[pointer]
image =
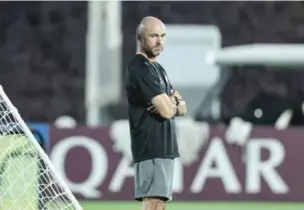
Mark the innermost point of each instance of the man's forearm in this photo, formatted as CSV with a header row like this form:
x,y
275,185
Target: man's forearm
x,y
163,105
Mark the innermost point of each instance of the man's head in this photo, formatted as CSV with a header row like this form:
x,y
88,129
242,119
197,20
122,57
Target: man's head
x,y
150,36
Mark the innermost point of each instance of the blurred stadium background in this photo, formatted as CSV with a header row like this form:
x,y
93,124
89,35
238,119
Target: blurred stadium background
x,y
239,66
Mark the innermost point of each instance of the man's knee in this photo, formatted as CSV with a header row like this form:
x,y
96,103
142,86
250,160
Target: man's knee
x,y
154,204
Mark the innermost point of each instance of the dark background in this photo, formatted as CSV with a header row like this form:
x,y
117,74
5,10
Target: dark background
x,y
42,52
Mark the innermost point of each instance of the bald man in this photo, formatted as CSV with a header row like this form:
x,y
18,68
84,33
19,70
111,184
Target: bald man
x,y
153,106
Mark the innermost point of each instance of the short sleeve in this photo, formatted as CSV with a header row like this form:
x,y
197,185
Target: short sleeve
x,y
149,84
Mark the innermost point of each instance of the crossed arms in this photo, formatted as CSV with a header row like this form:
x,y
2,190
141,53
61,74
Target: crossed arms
x,y
168,106
150,85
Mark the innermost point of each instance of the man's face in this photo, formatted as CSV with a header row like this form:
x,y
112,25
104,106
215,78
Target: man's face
x,y
152,40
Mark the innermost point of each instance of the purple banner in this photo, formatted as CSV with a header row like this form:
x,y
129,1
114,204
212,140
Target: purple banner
x,y
269,168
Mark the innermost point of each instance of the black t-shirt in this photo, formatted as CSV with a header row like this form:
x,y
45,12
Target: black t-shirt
x,y
151,135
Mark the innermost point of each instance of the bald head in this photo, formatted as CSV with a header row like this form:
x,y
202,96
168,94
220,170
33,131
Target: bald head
x,y
150,35
149,23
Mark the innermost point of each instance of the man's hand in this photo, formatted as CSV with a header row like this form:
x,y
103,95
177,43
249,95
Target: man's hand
x,y
176,95
173,99
181,104
152,109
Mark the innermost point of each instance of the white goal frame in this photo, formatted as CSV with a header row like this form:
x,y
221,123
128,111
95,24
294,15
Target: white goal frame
x,y
40,151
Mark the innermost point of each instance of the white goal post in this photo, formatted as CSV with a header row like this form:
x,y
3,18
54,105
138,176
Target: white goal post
x,y
28,179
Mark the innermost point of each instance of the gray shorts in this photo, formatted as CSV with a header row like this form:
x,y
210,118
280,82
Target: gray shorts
x,y
154,178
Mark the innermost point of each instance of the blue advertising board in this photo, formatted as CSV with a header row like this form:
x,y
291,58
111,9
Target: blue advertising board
x,y
44,131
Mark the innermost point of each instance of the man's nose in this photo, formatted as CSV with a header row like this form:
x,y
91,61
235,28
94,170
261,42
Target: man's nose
x,y
159,41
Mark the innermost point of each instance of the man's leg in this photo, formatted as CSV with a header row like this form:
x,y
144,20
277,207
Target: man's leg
x,y
153,204
165,206
153,183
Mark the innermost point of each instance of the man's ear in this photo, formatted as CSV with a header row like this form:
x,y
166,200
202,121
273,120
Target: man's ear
x,y
138,37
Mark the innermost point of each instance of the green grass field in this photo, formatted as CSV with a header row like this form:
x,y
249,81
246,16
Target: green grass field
x,y
196,206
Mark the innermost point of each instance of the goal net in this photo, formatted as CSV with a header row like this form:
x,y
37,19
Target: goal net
x,y
28,180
